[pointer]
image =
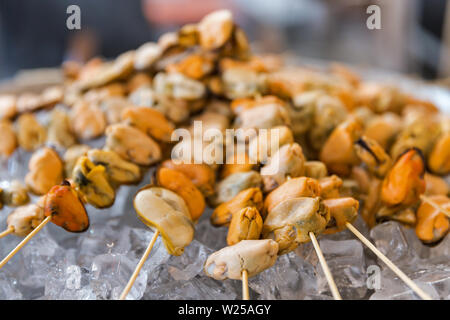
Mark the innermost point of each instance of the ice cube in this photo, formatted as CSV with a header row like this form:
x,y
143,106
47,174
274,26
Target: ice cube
x,y
390,239
442,249
415,245
291,277
212,237
190,263
110,274
433,278
68,282
9,288
318,297
347,264
162,285
139,240
39,255
101,239
182,277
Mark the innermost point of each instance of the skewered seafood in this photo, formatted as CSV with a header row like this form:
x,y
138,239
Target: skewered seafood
x,y
150,121
380,98
63,204
15,194
91,181
315,169
146,55
287,161
420,133
329,112
167,212
46,170
329,187
24,219
251,197
177,182
8,106
292,188
118,170
439,159
87,120
263,116
132,144
266,145
245,225
404,182
194,66
28,101
144,96
113,107
98,73
383,128
71,157
60,131
215,29
435,185
238,162
373,155
229,187
290,222
212,119
8,142
201,175
237,83
30,134
252,255
178,86
432,223
342,210
338,153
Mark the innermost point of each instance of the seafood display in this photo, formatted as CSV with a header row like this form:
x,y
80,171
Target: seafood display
x,y
314,152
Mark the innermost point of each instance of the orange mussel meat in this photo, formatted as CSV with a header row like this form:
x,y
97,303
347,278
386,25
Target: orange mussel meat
x,y
66,209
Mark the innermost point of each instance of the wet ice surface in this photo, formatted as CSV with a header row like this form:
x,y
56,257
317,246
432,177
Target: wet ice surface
x,y
428,267
98,263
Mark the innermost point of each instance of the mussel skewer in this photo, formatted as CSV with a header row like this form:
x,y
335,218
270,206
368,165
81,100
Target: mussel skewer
x,y
63,207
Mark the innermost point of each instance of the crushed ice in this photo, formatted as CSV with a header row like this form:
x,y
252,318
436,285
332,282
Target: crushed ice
x,y
98,263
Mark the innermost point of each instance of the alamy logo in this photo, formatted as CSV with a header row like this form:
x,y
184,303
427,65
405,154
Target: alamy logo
x,y
374,20
73,21
73,277
373,277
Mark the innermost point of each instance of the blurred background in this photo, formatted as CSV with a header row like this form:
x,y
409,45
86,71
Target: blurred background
x,y
414,38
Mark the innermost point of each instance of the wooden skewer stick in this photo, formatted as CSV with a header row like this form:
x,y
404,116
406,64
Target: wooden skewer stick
x,y
433,203
245,293
389,263
24,241
139,266
326,270
6,232
323,263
